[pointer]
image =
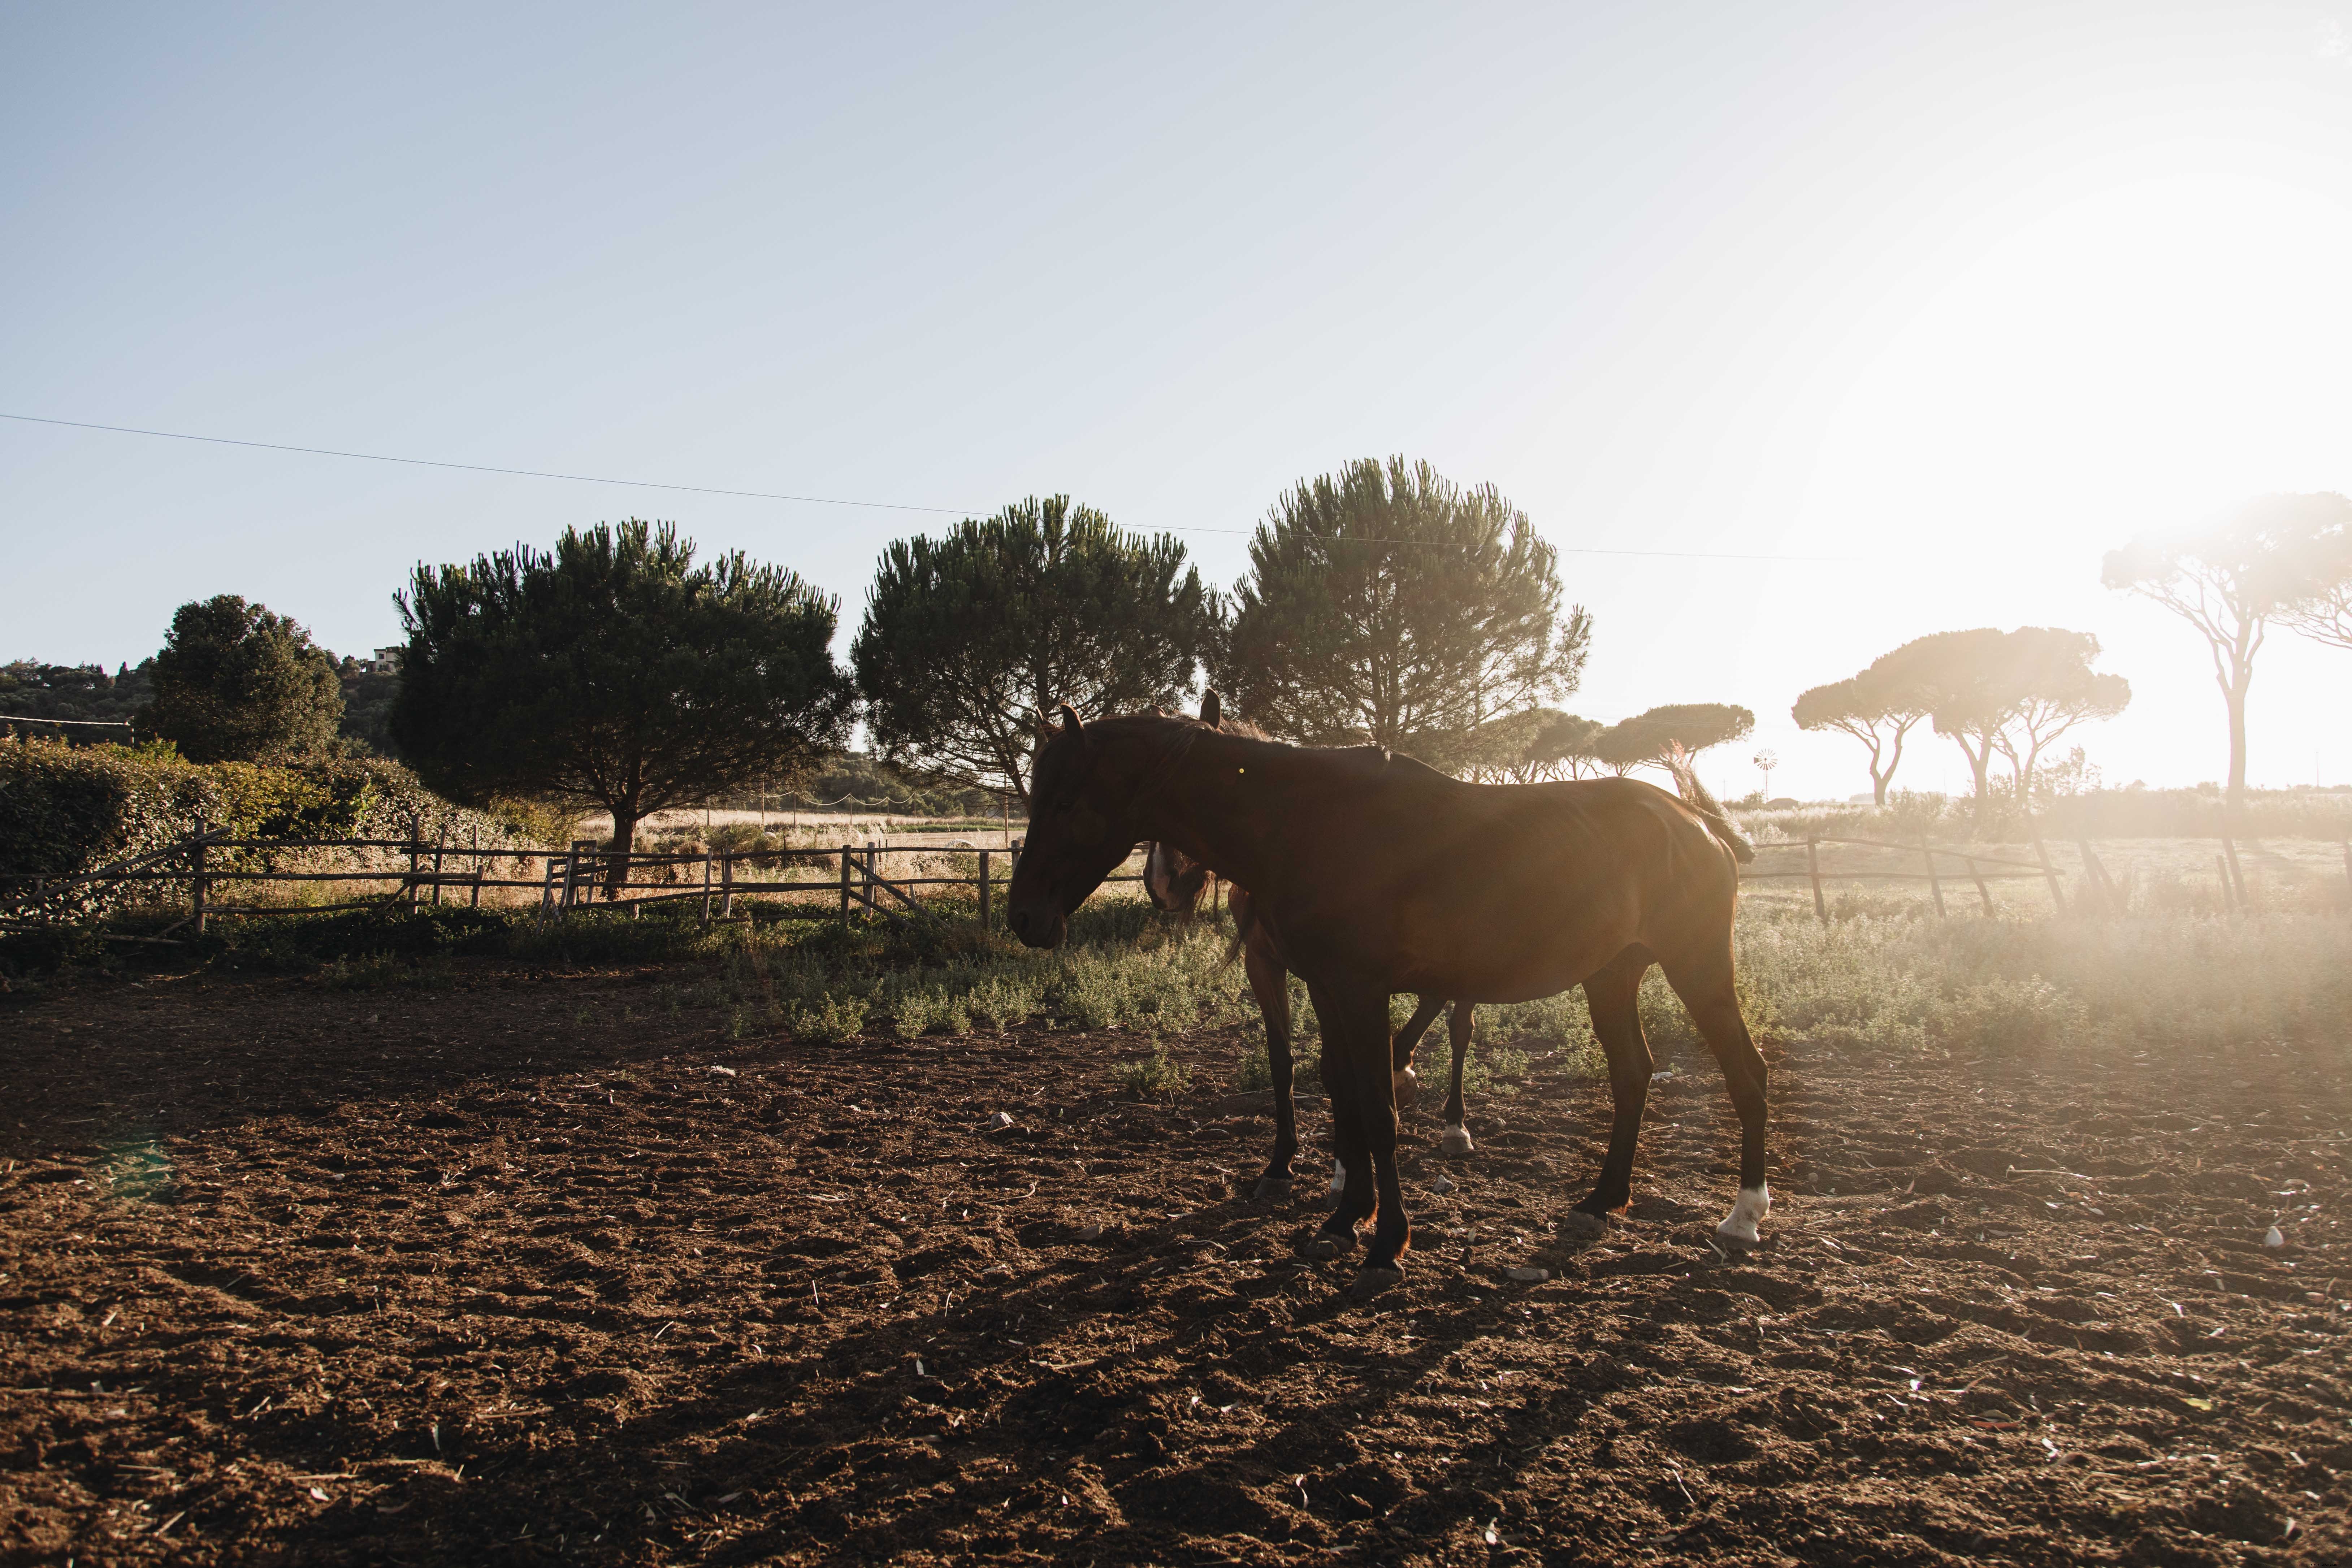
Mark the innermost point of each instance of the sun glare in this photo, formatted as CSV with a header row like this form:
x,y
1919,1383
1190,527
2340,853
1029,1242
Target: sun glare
x,y
2158,348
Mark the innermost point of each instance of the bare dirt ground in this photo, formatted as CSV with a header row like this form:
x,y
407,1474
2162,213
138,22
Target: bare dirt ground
x,y
536,1269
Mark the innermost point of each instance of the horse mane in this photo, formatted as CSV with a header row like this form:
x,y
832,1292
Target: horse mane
x,y
1695,795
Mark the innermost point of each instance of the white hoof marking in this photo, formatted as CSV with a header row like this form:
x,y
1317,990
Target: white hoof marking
x,y
1739,1225
1339,1180
1456,1140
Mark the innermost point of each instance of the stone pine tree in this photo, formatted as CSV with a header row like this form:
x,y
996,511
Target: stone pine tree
x,y
1386,604
971,640
235,682
2003,694
2229,582
1877,706
1647,739
615,671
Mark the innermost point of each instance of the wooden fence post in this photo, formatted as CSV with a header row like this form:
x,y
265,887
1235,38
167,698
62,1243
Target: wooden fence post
x,y
1933,886
1814,870
2222,871
2110,896
440,842
844,887
983,882
415,856
196,879
2237,877
1982,891
727,886
2057,894
706,888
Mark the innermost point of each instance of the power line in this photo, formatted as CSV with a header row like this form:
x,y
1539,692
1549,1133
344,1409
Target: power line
x,y
29,719
483,467
822,501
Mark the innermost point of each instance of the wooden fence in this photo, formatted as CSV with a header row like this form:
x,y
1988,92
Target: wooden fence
x,y
853,880
577,877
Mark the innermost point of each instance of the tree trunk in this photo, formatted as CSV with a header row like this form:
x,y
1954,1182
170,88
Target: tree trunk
x,y
2236,694
1881,782
625,838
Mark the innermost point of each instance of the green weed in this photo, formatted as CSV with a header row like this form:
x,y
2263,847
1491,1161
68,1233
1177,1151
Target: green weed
x,y
1156,1074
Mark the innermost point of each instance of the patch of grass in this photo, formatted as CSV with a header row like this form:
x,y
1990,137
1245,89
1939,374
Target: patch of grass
x,y
378,971
1156,1074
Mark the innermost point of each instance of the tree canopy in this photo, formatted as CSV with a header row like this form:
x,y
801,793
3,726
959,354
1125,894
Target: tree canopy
x,y
971,640
1646,740
615,671
2009,694
1385,604
2320,607
235,682
1531,745
2229,582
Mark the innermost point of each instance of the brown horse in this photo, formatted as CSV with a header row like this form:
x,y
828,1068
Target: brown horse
x,y
1174,882
1377,874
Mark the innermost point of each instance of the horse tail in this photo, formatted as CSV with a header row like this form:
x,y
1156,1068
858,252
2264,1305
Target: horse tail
x,y
1244,913
1695,795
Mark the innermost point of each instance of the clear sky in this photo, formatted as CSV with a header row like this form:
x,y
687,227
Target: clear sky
x,y
1969,293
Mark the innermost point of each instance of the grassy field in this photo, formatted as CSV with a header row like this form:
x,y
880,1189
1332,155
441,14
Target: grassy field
x,y
1882,975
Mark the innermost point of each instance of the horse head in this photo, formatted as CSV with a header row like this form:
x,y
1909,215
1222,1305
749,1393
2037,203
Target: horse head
x,y
1082,825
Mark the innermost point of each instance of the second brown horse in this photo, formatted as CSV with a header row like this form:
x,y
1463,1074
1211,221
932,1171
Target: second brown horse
x,y
1175,881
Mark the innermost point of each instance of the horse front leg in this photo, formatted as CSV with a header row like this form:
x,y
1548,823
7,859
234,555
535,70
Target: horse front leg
x,y
1269,983
1355,1053
1613,997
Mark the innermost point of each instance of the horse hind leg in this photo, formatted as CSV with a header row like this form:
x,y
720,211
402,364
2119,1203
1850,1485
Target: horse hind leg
x,y
1706,990
1455,1141
1403,1082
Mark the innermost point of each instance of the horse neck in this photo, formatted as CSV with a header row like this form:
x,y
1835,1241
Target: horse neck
x,y
1193,805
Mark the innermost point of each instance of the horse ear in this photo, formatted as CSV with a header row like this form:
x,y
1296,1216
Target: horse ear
x,y
1213,707
1070,725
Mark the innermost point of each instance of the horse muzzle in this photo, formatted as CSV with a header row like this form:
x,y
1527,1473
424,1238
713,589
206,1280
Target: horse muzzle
x,y
1038,924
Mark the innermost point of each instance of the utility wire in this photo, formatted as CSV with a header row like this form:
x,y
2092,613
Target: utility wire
x,y
814,500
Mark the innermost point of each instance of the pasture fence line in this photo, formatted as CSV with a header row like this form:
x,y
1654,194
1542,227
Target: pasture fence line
x,y
852,877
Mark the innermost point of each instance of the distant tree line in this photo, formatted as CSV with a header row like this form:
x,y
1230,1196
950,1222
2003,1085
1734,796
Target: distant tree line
x,y
1382,605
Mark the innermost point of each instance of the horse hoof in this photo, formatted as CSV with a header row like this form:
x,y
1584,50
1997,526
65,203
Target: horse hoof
x,y
1583,1225
1330,1243
1456,1142
1339,1180
1272,1189
1371,1281
1739,1228
1406,1086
